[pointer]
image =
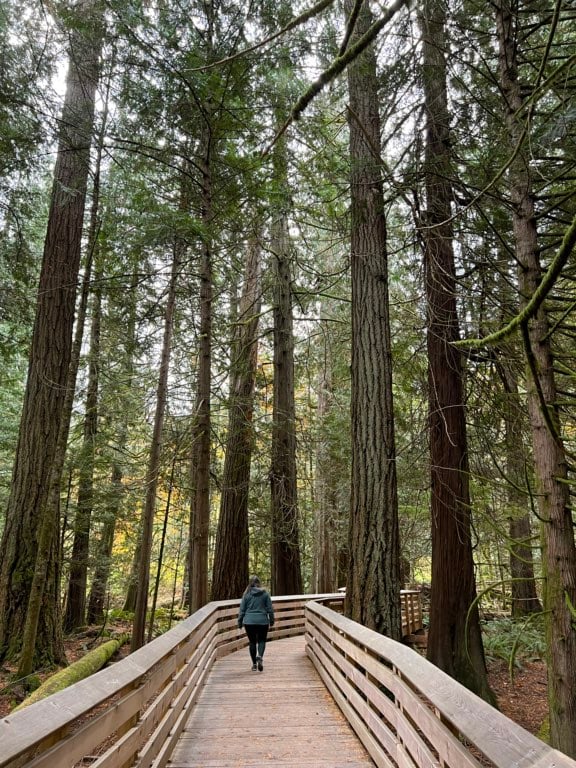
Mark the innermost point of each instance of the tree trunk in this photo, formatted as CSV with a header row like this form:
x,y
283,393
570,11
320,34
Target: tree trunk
x,y
286,578
200,512
132,589
523,585
454,641
524,596
87,665
373,588
99,586
148,512
558,547
325,547
75,614
160,562
230,573
49,361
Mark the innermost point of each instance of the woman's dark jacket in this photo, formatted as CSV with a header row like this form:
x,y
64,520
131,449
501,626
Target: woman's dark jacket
x,y
256,608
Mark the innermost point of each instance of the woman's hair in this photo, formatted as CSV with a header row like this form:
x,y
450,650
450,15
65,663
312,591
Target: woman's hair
x,y
254,582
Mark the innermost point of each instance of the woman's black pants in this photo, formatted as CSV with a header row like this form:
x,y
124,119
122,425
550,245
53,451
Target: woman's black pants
x,y
257,634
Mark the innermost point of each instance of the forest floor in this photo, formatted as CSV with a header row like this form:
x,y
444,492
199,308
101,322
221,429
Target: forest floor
x,y
523,699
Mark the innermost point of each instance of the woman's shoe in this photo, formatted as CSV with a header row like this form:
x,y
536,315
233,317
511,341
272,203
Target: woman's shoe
x,y
260,664
254,667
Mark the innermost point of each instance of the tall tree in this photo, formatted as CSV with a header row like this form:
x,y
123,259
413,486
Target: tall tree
x,y
285,552
523,587
103,558
373,587
75,613
50,350
200,511
454,641
325,540
230,573
152,474
550,460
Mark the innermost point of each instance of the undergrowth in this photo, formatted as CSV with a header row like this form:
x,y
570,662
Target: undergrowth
x,y
516,641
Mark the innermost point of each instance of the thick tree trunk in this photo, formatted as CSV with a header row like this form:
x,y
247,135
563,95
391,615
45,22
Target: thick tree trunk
x,y
149,510
49,361
557,531
373,588
45,582
454,641
230,573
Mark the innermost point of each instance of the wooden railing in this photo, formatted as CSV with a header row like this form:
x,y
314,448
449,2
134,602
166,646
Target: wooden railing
x,y
133,712
412,619
407,712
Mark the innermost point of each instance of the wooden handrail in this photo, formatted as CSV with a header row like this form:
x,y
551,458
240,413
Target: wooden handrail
x,y
407,712
139,705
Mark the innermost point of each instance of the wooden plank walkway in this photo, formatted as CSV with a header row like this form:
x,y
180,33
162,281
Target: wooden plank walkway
x,y
282,717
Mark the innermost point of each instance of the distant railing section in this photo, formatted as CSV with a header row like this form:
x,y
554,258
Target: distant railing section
x,y
411,605
407,712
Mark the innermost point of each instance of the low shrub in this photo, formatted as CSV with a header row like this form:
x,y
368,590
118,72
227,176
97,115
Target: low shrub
x,y
514,640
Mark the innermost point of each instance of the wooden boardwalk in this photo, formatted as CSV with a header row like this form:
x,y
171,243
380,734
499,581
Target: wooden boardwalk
x,y
282,717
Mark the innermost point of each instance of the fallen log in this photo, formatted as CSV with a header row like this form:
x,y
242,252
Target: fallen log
x,y
84,667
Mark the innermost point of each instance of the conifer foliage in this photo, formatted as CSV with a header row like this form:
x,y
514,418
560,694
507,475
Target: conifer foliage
x,y
287,289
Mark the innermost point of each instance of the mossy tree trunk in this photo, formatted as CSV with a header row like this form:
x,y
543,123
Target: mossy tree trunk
x,y
84,667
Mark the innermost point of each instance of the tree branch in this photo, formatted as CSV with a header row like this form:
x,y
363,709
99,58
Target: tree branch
x,y
538,297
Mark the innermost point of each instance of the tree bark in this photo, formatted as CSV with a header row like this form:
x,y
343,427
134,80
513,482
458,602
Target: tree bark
x,y
96,600
325,542
149,510
200,512
75,614
50,355
286,577
373,588
230,573
455,640
557,531
160,563
523,584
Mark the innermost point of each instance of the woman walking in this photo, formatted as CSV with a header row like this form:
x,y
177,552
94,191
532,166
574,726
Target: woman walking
x,y
256,615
